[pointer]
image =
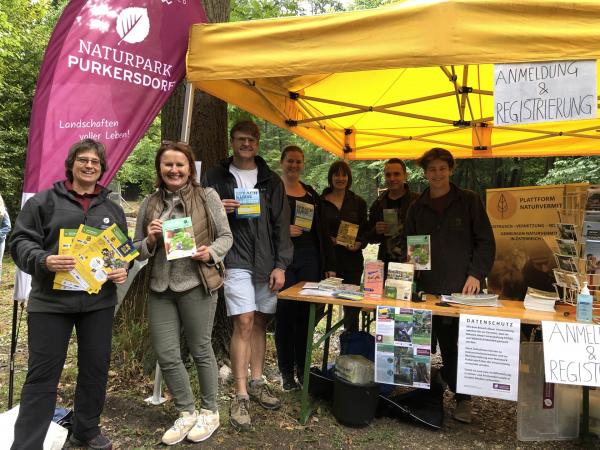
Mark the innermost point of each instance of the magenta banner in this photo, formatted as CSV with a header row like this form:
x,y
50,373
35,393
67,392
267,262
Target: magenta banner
x,y
109,68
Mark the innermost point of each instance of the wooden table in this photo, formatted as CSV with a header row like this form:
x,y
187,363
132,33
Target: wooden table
x,y
509,309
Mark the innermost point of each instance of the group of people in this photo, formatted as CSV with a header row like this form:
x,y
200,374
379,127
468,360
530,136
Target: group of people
x,y
251,258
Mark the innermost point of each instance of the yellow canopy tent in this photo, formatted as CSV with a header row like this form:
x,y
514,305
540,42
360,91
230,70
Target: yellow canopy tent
x,y
396,81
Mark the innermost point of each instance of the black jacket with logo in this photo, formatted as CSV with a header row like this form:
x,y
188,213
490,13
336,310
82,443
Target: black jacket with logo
x,y
35,237
268,235
462,240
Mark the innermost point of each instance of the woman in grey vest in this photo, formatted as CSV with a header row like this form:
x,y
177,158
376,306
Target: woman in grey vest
x,y
185,275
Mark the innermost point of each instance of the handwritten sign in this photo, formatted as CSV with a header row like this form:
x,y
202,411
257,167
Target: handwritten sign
x,y
552,91
572,353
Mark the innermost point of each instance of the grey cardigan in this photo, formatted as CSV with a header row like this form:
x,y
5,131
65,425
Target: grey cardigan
x,y
181,274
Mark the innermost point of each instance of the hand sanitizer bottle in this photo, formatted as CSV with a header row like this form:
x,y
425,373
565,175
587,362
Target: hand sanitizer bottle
x,y
584,305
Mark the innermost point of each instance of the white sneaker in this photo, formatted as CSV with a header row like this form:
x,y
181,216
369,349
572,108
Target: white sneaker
x,y
180,428
207,424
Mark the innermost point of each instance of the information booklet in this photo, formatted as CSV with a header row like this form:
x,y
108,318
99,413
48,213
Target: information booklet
x,y
304,215
567,247
347,233
178,235
249,203
95,257
419,251
591,230
403,346
398,283
373,279
390,217
566,231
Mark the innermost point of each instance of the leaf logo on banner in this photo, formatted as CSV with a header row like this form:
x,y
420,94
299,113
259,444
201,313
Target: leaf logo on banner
x,y
133,25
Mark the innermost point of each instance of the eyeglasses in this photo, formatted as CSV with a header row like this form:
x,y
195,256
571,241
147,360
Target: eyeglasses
x,y
86,161
249,140
179,144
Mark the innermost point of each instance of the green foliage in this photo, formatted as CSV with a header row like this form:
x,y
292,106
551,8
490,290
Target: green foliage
x,y
574,170
263,9
139,167
25,29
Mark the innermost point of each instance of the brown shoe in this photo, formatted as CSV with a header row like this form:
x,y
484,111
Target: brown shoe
x,y
462,412
239,414
260,392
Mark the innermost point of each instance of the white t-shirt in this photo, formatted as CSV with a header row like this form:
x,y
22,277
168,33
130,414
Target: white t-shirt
x,y
244,178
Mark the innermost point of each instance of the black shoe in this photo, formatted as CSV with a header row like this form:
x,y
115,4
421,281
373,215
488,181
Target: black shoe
x,y
100,442
288,383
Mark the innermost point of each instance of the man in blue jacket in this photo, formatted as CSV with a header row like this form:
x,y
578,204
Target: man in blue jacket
x,y
255,265
462,253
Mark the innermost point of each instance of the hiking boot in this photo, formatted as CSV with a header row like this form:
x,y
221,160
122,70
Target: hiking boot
x,y
288,383
462,412
239,414
207,424
99,442
180,428
260,392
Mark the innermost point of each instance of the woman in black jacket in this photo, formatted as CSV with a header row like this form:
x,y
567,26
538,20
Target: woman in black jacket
x,y
313,259
344,210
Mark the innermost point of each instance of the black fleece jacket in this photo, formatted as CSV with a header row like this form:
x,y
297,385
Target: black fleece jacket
x,y
268,235
462,240
35,236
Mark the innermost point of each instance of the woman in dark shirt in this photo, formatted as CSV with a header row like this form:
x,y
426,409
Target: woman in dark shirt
x,y
313,259
341,204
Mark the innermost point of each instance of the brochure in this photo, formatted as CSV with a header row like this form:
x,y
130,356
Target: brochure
x,y
178,236
249,203
567,247
64,280
399,280
566,231
566,263
373,279
304,215
592,257
347,233
390,217
593,198
591,230
419,251
403,346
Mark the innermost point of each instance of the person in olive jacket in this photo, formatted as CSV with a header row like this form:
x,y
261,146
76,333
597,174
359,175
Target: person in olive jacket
x,y
341,204
462,253
52,314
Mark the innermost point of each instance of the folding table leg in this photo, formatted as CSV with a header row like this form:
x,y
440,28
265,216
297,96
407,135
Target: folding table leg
x,y
305,410
326,345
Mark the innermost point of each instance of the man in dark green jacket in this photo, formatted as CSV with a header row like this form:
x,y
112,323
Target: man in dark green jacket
x,y
462,252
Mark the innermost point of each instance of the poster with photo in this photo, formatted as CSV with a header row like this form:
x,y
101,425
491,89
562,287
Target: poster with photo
x,y
403,346
567,231
566,263
567,247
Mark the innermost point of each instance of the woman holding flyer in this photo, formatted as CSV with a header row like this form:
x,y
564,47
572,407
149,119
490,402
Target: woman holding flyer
x,y
313,259
52,312
182,229
346,221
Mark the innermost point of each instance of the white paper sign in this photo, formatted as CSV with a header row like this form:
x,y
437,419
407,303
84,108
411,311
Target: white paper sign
x,y
552,91
488,356
572,353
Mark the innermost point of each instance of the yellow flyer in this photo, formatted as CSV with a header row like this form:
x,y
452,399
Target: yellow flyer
x,y
347,233
304,215
85,234
63,280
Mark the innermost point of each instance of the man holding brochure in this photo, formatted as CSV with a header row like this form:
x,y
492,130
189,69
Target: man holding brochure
x,y
388,212
462,253
259,216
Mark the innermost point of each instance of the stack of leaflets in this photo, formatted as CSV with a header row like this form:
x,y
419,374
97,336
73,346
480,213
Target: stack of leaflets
x,y
472,299
349,294
178,236
398,283
330,284
97,253
540,300
373,279
419,251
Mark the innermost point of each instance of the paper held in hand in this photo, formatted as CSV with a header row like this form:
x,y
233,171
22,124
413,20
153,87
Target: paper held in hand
x,y
347,233
419,251
390,217
304,215
249,203
178,235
